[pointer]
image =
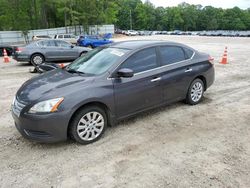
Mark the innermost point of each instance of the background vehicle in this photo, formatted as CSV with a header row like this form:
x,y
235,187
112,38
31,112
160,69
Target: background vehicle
x,y
67,37
40,51
131,33
39,37
107,85
92,41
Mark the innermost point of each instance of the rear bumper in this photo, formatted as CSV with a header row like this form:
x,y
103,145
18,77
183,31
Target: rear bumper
x,y
210,77
20,57
47,128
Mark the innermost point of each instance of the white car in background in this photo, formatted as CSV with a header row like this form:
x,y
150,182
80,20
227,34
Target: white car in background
x,y
67,37
132,33
40,37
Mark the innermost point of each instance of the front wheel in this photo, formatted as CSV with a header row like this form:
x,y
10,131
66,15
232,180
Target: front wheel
x,y
195,92
88,125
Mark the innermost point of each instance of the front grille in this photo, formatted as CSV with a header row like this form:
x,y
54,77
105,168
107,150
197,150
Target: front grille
x,y
18,106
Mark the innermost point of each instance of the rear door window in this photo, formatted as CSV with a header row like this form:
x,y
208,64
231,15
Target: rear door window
x,y
62,44
171,54
47,43
141,61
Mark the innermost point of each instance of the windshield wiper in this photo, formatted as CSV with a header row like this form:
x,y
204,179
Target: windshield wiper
x,y
74,71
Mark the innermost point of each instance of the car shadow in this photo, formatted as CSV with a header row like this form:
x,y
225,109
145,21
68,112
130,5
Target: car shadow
x,y
140,116
165,108
20,64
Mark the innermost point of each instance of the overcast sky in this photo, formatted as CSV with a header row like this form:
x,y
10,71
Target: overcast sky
x,y
244,4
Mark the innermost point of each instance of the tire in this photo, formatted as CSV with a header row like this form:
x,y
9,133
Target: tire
x,y
85,123
195,92
37,59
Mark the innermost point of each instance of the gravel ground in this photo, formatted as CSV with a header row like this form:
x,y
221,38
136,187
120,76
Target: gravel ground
x,y
206,145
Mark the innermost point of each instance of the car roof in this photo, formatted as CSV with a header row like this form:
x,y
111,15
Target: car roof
x,y
137,44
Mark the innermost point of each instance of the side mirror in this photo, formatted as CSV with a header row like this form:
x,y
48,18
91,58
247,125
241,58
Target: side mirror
x,y
125,73
72,46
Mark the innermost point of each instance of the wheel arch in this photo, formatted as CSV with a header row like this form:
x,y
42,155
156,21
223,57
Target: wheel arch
x,y
83,52
203,79
93,103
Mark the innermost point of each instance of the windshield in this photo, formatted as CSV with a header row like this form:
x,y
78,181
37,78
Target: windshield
x,y
97,61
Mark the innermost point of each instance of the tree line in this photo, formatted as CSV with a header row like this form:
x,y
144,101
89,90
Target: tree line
x,y
25,15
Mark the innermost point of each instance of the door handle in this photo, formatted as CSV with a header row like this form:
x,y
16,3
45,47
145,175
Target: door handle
x,y
156,79
188,70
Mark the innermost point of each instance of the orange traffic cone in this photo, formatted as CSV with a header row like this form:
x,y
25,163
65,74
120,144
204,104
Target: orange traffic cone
x,y
224,58
6,58
61,65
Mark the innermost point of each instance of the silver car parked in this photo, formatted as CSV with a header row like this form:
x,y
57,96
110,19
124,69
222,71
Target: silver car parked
x,y
49,50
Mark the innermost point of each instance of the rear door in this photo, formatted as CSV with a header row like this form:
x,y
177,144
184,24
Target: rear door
x,y
141,91
176,73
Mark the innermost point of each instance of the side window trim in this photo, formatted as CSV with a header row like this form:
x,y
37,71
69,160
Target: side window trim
x,y
159,63
162,65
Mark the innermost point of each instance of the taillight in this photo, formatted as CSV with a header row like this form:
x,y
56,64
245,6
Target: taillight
x,y
18,49
211,59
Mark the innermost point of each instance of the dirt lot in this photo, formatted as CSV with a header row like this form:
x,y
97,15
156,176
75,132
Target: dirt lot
x,y
207,145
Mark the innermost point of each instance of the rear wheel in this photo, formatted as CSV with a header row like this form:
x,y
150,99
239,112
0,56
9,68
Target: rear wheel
x,y
88,125
195,92
37,59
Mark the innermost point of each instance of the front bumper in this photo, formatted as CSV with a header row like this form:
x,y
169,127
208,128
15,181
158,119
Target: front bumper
x,y
46,128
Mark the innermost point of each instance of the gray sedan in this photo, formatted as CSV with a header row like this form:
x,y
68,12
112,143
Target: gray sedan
x,y
107,85
48,50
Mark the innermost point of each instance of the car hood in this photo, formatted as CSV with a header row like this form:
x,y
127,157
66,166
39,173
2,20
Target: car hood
x,y
52,84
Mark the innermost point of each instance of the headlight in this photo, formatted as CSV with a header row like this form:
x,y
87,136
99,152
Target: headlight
x,y
46,106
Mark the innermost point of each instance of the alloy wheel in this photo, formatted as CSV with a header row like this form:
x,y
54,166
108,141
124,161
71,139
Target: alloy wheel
x,y
90,126
196,92
37,60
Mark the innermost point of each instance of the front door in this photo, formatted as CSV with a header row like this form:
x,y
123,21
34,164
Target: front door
x,y
141,91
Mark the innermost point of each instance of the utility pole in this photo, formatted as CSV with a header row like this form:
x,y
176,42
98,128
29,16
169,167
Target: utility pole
x,y
65,18
130,16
